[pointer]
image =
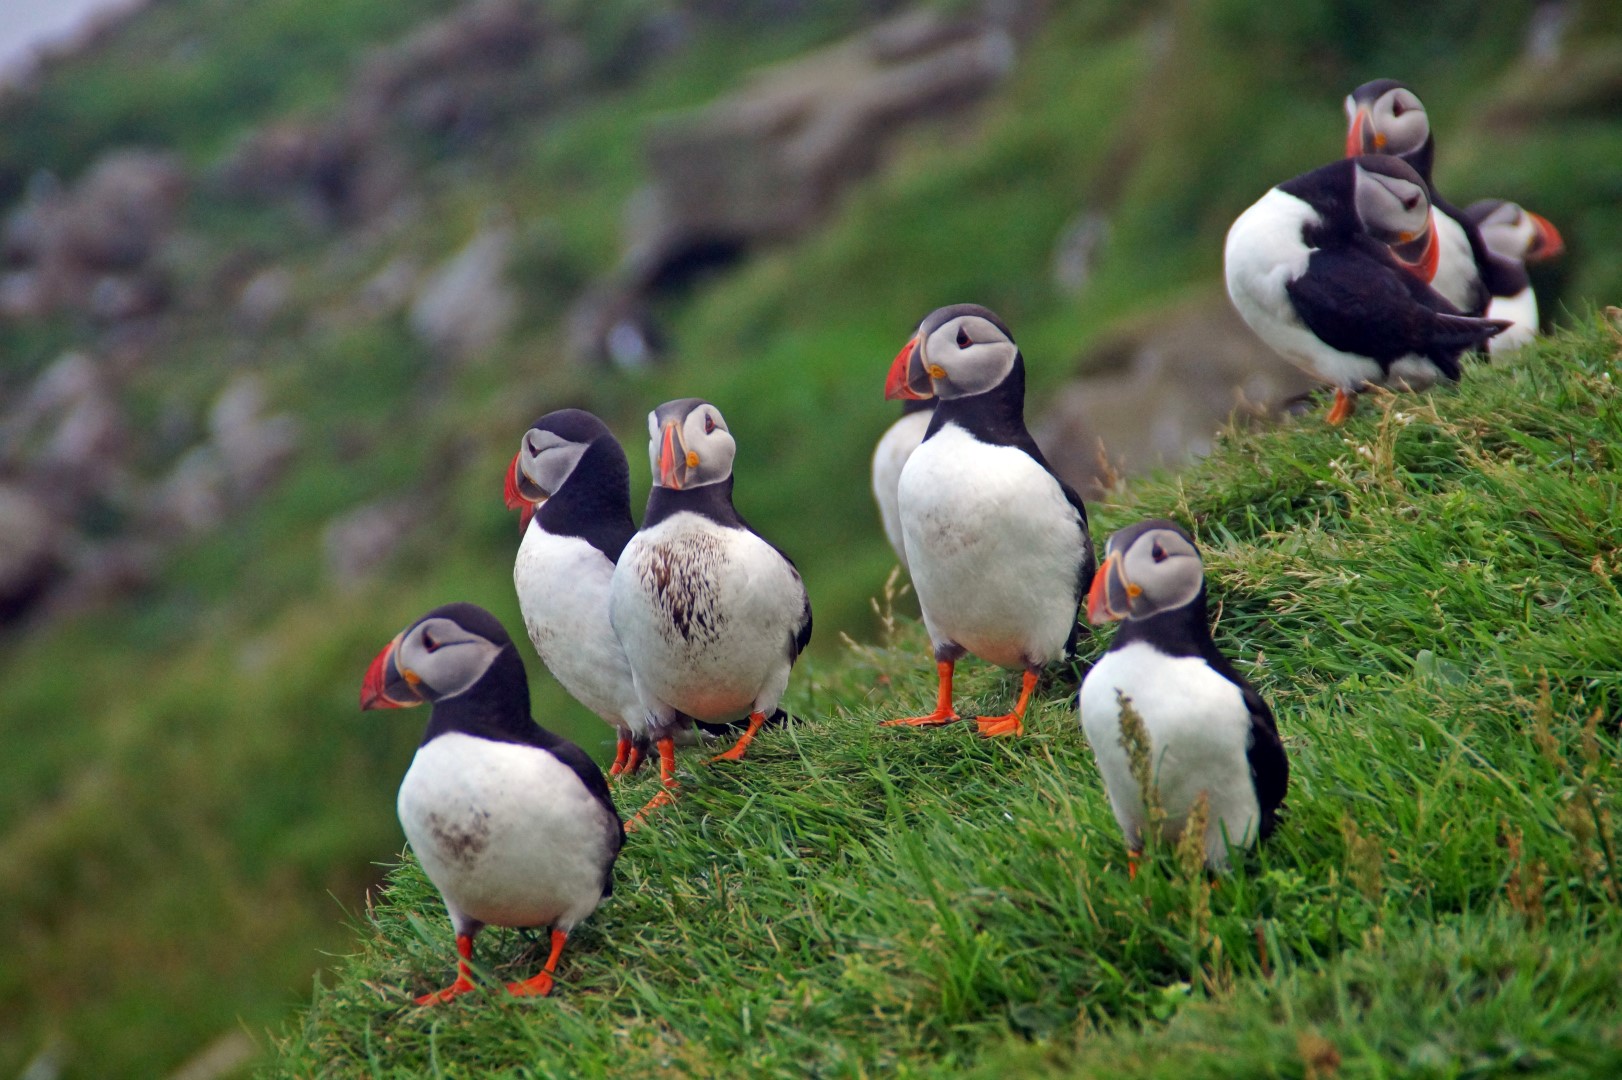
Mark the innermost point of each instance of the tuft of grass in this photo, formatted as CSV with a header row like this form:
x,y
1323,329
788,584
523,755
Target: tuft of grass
x,y
1428,598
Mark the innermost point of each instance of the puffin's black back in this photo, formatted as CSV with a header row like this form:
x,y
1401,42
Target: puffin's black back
x,y
595,502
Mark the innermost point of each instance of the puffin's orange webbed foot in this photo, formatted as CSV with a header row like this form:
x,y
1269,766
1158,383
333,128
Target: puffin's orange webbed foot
x,y
464,972
943,714
667,777
994,726
1345,405
756,719
540,984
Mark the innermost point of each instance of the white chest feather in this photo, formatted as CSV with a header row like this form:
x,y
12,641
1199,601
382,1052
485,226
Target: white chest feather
x,y
1199,732
889,457
563,588
1520,309
1263,254
1458,278
707,615
507,833
994,548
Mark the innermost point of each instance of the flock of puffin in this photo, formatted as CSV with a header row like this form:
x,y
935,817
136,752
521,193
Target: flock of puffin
x,y
1357,271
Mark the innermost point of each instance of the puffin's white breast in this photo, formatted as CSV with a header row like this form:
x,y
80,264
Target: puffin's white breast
x,y
1458,278
506,832
1263,254
707,614
1520,309
889,457
1199,732
994,547
563,588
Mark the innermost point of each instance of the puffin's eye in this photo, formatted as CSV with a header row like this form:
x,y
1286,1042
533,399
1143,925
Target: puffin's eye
x,y
1158,552
709,423
429,643
1397,108
963,338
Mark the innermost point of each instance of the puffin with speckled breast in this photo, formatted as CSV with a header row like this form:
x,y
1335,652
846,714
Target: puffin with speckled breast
x,y
571,483
1210,735
997,545
513,824
712,616
1329,269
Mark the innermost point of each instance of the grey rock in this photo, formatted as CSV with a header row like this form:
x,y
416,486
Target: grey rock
x,y
1162,390
465,304
360,542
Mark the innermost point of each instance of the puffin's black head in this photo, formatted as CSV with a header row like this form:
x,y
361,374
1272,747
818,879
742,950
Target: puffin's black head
x,y
1514,232
1393,205
957,351
547,456
1149,567
1385,117
441,656
689,444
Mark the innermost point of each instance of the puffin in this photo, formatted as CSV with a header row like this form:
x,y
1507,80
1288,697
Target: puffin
x,y
712,616
897,443
996,543
1386,117
1209,732
513,824
571,484
1329,269
1517,234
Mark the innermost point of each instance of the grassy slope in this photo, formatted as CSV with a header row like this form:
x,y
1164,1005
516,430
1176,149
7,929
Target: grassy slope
x,y
1428,598
202,778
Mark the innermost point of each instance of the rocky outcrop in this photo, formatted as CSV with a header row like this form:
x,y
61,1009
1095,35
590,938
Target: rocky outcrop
x,y
1162,389
771,161
93,247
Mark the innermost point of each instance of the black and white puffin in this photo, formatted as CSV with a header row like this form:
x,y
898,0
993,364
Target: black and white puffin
x,y
572,485
996,543
1209,732
1328,269
712,616
511,823
897,443
1386,117
1520,236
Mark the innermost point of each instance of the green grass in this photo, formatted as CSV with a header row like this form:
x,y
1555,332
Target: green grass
x,y
191,800
1427,597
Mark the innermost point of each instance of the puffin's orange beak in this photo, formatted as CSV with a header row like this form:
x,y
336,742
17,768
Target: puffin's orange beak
x,y
373,690
1110,598
1421,255
900,383
672,464
1546,239
514,496
1361,138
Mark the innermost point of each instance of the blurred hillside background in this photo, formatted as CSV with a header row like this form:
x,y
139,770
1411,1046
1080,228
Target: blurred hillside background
x,y
282,283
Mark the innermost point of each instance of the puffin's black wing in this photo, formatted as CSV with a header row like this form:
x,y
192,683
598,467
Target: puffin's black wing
x,y
802,636
1269,767
1359,305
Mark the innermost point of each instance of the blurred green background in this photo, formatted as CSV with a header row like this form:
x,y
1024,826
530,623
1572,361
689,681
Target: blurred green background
x,y
251,440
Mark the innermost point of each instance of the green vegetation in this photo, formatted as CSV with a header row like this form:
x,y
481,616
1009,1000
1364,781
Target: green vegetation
x,y
1427,597
192,801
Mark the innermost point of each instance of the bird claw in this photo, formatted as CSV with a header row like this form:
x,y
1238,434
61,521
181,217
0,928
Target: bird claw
x,y
538,986
461,986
